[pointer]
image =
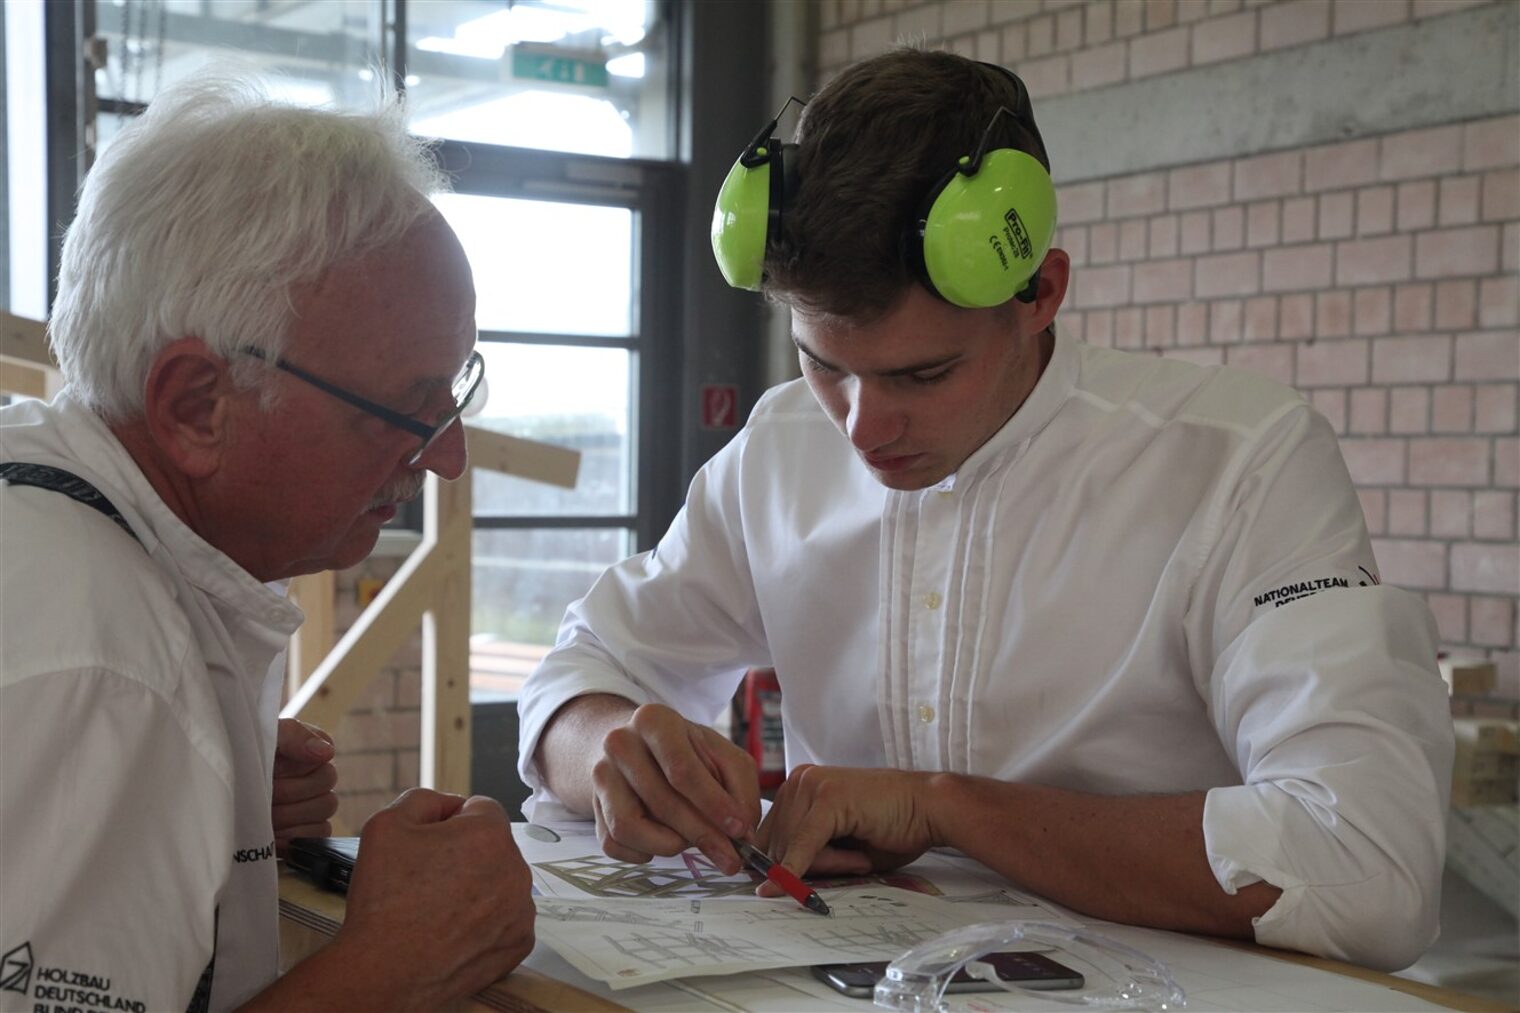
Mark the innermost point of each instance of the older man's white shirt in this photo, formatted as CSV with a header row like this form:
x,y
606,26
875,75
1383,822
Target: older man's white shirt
x,y
139,688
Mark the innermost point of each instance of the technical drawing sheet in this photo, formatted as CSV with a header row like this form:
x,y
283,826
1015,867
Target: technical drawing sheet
x,y
634,942
567,862
628,924
681,955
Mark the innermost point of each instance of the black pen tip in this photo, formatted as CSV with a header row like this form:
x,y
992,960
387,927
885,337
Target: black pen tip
x,y
816,905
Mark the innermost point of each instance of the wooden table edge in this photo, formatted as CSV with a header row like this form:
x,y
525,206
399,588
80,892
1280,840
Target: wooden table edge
x,y
1446,997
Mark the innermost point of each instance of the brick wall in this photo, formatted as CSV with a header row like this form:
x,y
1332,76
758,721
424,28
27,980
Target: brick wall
x,y
1379,275
1064,46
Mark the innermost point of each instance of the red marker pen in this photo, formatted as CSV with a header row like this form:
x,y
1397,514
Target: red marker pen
x,y
781,876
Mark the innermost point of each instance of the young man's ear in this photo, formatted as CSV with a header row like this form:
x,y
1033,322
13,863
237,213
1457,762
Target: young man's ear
x,y
187,404
1055,274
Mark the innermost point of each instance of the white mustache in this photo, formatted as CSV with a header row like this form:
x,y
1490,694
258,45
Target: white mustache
x,y
398,492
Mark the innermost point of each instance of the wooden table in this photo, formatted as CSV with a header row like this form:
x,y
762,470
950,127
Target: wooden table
x,y
309,917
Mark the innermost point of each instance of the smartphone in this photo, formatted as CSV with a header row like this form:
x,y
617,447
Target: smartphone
x,y
328,860
1026,970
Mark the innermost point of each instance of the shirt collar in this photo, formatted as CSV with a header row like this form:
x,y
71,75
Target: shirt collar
x,y
1050,392
91,442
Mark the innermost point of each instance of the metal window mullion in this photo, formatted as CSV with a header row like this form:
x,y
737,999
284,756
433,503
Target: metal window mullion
x,y
490,522
67,106
120,107
398,44
661,385
629,343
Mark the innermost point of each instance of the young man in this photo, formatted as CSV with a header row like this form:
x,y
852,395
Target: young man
x,y
267,334
1107,623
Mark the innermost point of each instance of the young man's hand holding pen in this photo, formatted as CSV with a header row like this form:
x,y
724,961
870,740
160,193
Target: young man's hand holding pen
x,y
660,784
847,821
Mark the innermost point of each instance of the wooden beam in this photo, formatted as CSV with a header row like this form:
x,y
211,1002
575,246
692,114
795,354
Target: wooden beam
x,y
314,594
370,642
530,459
23,378
432,587
25,339
445,752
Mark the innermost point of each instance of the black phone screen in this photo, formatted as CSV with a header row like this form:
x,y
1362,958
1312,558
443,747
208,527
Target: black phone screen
x,y
1026,970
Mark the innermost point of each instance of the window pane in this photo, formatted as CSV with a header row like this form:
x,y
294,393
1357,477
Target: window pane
x,y
523,582
589,76
24,225
572,397
317,53
535,269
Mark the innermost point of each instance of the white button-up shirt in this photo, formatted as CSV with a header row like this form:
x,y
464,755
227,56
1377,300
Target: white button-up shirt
x,y
1155,578
139,693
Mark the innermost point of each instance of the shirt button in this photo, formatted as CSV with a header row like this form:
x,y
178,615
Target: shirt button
x,y
932,600
925,713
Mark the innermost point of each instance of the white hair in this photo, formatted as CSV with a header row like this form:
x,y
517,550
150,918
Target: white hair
x,y
205,211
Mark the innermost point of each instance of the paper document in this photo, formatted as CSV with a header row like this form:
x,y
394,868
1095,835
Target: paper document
x,y
633,942
664,927
567,861
628,924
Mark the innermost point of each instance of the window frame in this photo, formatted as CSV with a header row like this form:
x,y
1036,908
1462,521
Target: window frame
x,y
654,192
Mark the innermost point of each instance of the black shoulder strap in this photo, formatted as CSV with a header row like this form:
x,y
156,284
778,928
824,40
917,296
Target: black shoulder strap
x,y
200,1000
57,480
44,476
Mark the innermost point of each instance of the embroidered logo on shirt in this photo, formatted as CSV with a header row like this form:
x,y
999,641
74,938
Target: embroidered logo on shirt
x,y
77,989
16,969
1280,596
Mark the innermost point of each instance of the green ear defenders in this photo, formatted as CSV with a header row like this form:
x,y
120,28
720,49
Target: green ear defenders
x,y
983,229
986,226
749,207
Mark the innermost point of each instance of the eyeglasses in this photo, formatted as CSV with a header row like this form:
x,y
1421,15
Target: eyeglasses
x,y
466,391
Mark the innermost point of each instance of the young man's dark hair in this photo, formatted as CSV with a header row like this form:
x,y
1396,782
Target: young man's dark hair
x,y
871,146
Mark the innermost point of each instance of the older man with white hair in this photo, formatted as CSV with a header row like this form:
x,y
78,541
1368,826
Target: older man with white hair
x,y
267,334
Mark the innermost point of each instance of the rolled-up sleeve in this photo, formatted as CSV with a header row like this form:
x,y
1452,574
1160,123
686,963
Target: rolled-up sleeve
x,y
1346,757
1324,686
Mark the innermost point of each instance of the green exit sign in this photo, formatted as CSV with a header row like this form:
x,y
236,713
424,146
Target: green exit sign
x,y
539,66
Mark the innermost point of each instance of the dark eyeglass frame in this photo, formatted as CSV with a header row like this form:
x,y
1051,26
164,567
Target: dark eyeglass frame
x,y
473,370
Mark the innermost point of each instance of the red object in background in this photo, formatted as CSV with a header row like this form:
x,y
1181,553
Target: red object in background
x,y
763,738
720,405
